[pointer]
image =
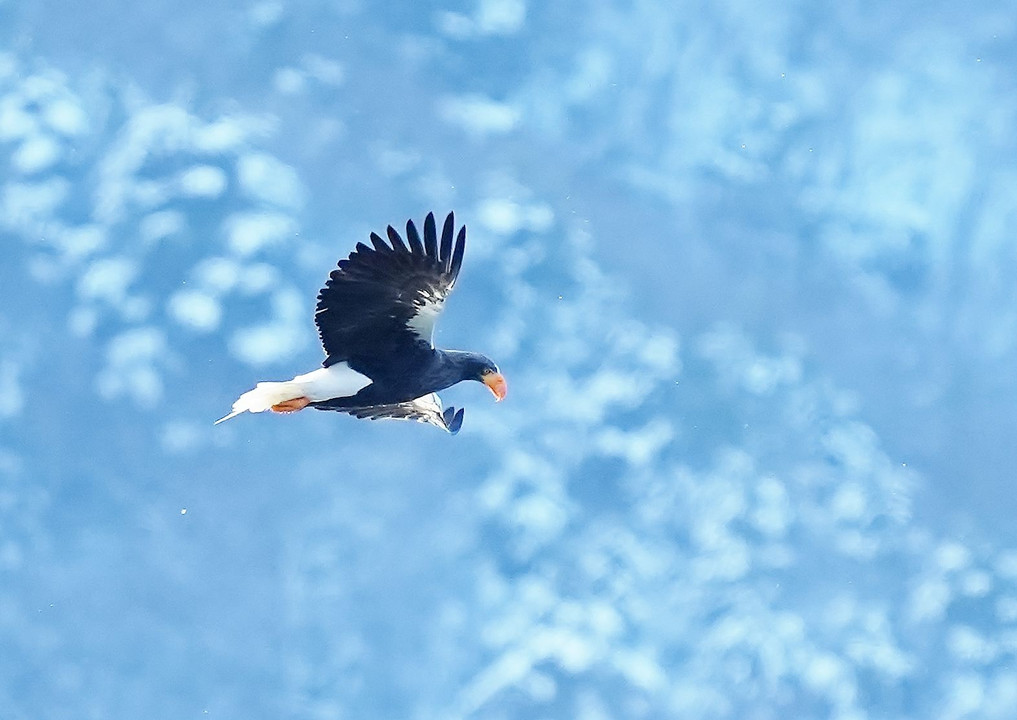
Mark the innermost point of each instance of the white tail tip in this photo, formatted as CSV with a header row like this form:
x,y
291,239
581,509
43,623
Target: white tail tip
x,y
224,418
263,397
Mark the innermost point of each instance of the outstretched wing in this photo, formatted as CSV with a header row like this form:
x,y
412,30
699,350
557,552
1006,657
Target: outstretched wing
x,y
425,409
385,298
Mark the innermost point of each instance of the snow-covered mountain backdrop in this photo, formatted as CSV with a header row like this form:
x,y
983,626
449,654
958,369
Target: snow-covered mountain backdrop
x,y
749,268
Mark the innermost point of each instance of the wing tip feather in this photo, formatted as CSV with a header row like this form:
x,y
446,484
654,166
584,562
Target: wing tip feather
x,y
456,261
453,419
416,247
430,234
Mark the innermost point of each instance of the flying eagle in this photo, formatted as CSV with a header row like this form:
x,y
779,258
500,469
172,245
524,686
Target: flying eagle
x,y
376,317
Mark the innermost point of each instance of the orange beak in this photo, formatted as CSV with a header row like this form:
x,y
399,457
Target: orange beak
x,y
497,385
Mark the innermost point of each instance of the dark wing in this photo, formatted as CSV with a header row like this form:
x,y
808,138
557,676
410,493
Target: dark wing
x,y
385,298
425,409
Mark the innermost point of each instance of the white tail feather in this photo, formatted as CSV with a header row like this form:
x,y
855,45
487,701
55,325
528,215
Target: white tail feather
x,y
224,418
338,380
263,397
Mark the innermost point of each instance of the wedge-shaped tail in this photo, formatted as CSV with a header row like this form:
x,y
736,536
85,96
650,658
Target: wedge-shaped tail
x,y
336,381
263,397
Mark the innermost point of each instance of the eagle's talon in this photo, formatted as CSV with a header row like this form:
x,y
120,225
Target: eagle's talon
x,y
288,406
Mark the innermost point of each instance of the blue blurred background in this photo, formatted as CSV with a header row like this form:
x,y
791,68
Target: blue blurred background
x,y
748,267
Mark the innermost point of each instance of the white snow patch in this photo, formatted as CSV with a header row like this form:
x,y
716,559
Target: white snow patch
x,y
294,80
275,340
500,17
540,687
250,232
929,600
965,697
849,502
573,651
539,514
257,278
265,343
152,131
763,375
42,85
82,321
1006,564
80,241
639,446
976,583
141,382
505,216
196,310
37,153
203,181
289,81
130,367
288,304
739,363
967,644
65,117
772,513
604,390
267,13
660,352
26,203
12,398
508,669
265,178
641,669
455,25
604,619
160,225
392,161
220,136
727,560
107,279
180,436
855,445
136,345
1006,608
595,70
324,70
151,193
218,274
135,308
490,17
14,121
480,115
952,556
824,671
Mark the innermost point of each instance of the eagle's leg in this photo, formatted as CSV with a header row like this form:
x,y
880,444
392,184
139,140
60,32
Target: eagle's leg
x,y
288,406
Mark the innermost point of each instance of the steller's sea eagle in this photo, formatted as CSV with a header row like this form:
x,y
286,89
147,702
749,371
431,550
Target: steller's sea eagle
x,y
376,317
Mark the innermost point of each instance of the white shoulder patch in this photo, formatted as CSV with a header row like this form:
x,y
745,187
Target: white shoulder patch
x,y
335,381
427,315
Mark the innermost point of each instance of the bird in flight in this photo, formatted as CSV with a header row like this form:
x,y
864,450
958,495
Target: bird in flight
x,y
376,317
